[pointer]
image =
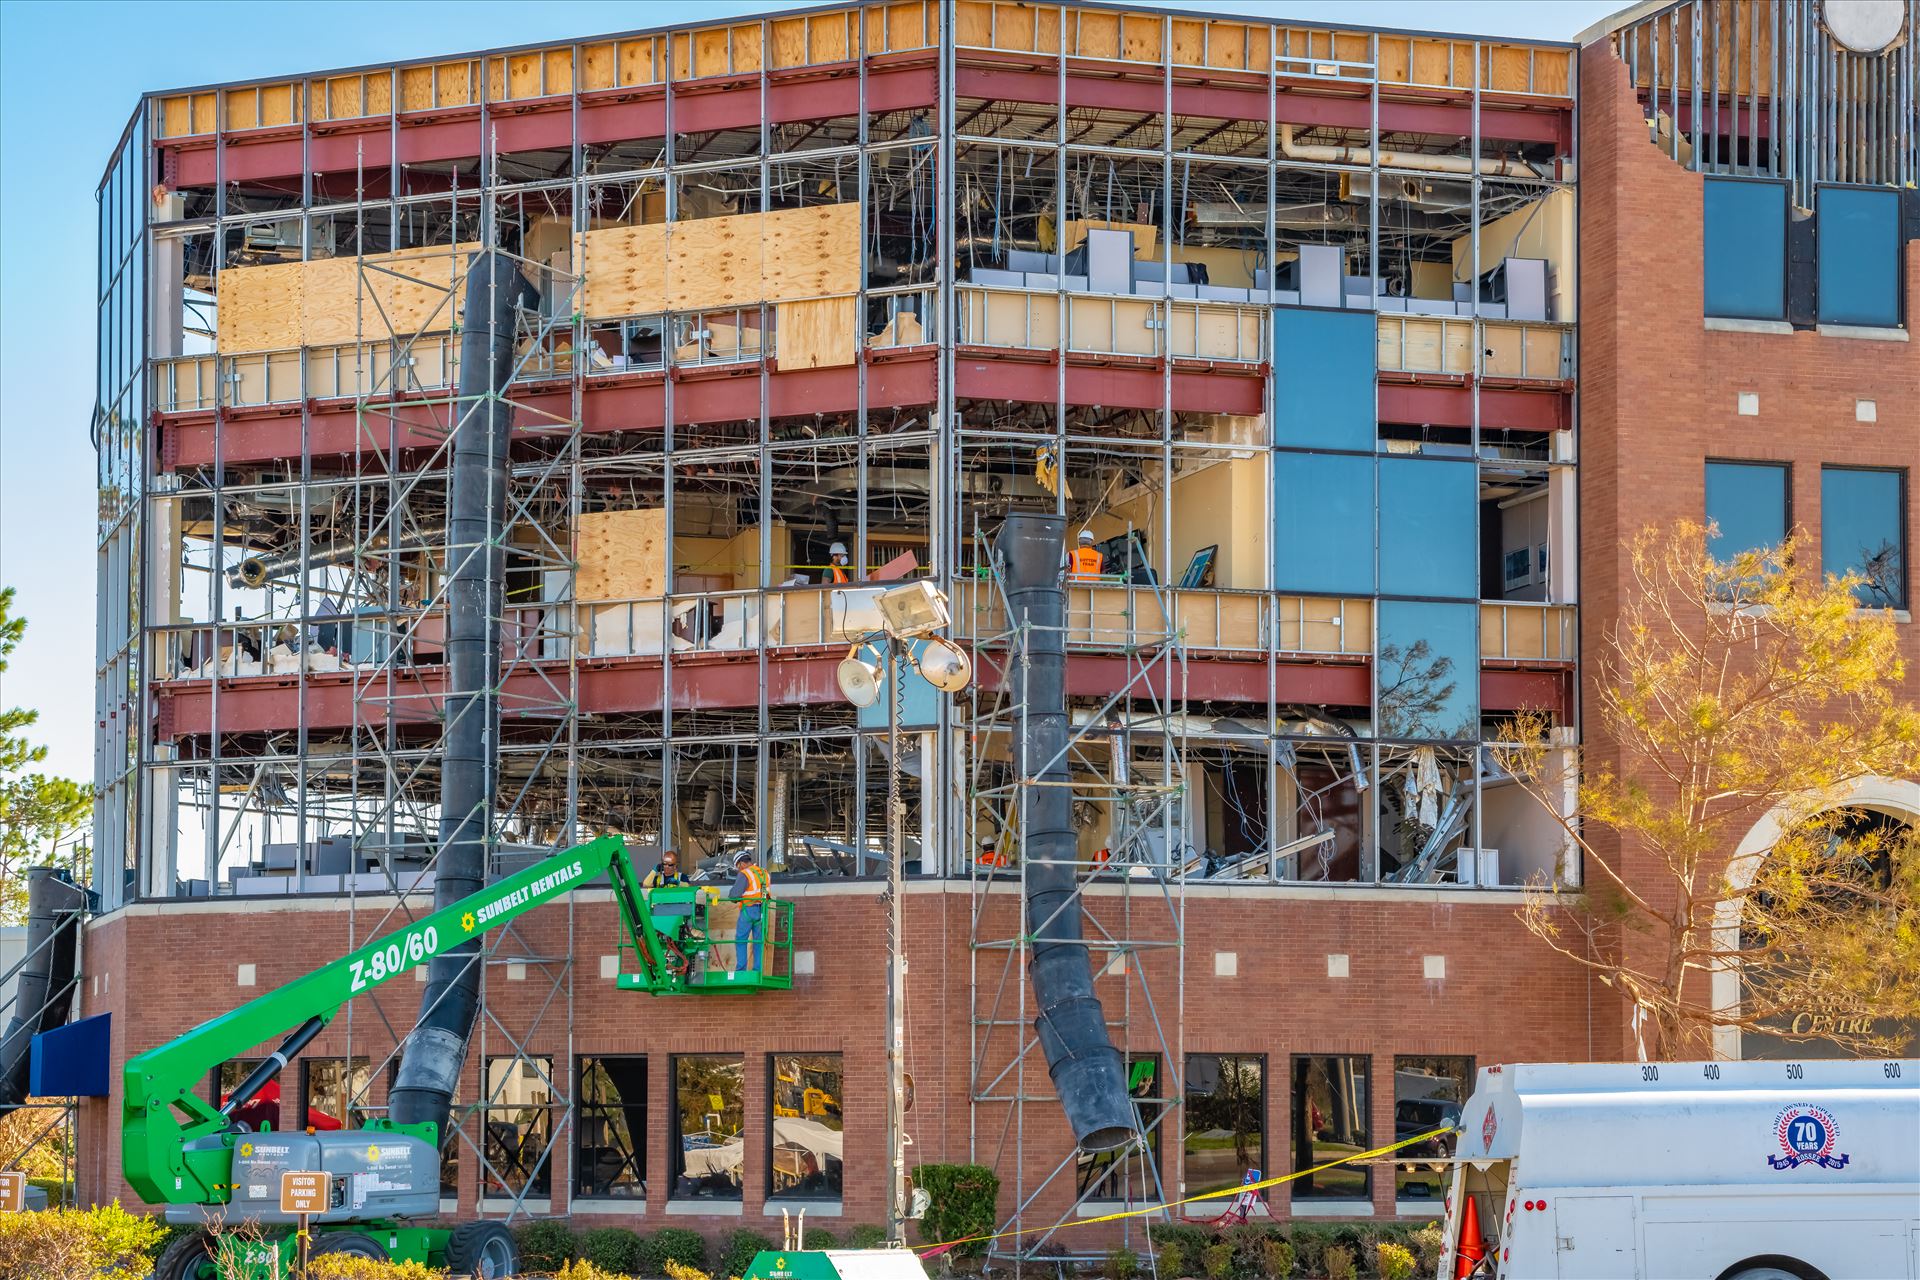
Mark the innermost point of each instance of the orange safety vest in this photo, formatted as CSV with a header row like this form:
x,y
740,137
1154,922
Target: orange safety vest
x,y
758,885
1085,562
838,574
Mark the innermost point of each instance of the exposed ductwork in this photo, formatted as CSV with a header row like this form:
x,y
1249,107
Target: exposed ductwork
x,y
1319,153
436,1049
43,991
257,571
1086,1068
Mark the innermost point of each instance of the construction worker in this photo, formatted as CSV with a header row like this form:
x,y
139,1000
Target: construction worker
x,y
666,873
1084,562
837,563
751,889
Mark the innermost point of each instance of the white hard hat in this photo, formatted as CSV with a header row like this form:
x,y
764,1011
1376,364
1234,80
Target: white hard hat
x,y
837,549
1086,535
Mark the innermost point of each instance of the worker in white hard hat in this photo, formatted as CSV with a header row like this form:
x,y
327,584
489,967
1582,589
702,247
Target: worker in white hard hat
x,y
837,563
1084,562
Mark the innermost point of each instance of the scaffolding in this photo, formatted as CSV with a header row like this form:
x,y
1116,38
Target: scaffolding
x,y
1131,895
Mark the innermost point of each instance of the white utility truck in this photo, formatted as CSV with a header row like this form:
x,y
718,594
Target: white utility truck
x,y
1688,1171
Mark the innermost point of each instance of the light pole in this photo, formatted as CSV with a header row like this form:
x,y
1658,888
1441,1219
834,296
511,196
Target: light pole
x,y
909,613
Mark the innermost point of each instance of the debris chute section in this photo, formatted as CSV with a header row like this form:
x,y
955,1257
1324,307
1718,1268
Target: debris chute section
x,y
1086,1068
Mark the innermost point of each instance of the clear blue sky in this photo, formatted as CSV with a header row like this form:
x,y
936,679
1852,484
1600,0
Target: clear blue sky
x,y
60,117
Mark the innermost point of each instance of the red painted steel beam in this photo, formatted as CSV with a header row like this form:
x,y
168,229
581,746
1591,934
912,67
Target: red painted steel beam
x,y
632,403
1549,409
1512,689
1247,101
979,375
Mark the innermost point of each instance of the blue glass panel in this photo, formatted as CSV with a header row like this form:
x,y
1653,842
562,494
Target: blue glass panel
x,y
1429,670
1427,531
1323,522
1323,371
1746,249
1748,501
1859,241
1863,522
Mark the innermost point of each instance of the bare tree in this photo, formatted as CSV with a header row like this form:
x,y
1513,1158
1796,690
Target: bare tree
x,y
1738,701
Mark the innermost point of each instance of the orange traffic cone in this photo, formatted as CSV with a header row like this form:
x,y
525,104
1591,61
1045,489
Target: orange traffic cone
x,y
1471,1248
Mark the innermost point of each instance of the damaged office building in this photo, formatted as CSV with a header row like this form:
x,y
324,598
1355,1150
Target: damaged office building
x,y
1282,318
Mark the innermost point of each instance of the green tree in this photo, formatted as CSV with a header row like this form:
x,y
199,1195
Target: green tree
x,y
38,813
1738,701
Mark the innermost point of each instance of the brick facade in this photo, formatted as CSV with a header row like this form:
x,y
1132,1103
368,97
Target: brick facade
x,y
1659,390
1502,999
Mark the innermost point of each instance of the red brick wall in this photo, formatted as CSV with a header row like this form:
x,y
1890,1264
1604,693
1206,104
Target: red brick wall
x,y
1503,999
1658,390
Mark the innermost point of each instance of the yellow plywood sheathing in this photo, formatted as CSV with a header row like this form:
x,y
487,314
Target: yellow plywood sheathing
x,y
623,271
816,334
205,109
812,252
1425,344
402,293
1140,37
622,555
260,307
714,262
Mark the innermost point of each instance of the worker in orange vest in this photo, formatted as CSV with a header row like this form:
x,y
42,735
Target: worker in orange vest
x,y
837,563
1084,562
752,887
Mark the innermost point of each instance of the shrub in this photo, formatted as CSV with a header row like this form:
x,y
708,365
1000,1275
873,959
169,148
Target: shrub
x,y
1216,1260
1122,1264
1191,1239
1428,1242
1340,1264
1396,1261
1277,1254
614,1249
866,1237
818,1238
677,1270
338,1266
737,1254
546,1245
582,1269
1310,1242
672,1244
962,1201
77,1244
1170,1262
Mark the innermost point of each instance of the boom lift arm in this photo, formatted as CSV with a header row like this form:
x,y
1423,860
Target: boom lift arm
x,y
178,1149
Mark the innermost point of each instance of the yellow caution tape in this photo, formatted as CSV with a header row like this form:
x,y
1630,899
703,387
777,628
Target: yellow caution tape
x,y
1225,1193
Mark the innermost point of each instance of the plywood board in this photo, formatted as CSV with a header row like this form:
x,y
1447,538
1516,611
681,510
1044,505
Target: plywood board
x,y
260,307
624,271
621,555
1095,34
714,262
402,293
1118,326
639,61
1140,37
813,252
829,37
818,334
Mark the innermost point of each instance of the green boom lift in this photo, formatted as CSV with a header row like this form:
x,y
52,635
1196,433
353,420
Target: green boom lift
x,y
180,1151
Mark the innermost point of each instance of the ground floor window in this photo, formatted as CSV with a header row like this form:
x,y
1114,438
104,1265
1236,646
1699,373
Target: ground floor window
x,y
519,1124
1428,1093
806,1127
611,1128
260,1112
1331,1120
334,1093
1225,1121
710,1107
1131,1173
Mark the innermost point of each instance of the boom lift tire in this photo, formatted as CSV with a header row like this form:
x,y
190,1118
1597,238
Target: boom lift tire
x,y
351,1244
484,1249
189,1257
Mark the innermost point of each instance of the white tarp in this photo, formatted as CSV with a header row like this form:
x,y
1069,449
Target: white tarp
x,y
809,1135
